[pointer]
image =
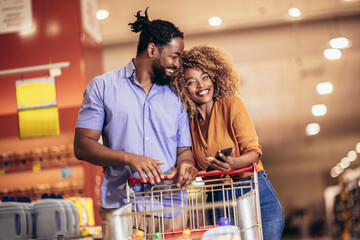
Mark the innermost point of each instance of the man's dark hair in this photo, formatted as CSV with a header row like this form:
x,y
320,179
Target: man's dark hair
x,y
158,31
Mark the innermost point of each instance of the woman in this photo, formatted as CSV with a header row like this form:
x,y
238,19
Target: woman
x,y
207,82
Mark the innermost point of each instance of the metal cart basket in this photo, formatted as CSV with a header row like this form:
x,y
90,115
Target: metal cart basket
x,y
167,211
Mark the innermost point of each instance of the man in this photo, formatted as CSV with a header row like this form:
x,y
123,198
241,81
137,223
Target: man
x,y
142,121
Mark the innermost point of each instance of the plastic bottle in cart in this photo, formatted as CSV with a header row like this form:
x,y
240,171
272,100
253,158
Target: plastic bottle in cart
x,y
138,235
157,236
224,232
186,234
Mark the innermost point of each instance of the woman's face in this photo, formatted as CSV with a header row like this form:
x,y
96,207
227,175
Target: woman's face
x,y
199,86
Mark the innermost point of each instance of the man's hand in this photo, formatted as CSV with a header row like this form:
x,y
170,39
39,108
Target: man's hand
x,y
148,165
185,169
186,173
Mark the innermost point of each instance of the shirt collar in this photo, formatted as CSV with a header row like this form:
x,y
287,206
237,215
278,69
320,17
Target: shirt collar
x,y
130,70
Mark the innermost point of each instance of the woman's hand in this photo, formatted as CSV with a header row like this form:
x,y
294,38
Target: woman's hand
x,y
227,164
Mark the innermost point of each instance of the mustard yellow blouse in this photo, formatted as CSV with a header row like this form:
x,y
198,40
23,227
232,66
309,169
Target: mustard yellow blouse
x,y
229,126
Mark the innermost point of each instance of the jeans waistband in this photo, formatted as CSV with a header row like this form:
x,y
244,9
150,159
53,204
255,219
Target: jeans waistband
x,y
261,173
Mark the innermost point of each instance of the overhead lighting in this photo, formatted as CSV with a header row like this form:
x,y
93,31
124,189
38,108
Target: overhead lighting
x,y
294,12
335,171
215,21
357,147
339,43
319,110
332,54
312,129
324,88
344,163
102,14
352,155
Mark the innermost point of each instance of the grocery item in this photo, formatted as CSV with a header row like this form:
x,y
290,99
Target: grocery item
x,y
138,235
50,218
224,232
12,221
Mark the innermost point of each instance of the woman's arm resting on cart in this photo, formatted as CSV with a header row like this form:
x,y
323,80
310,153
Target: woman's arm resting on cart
x,y
86,147
185,169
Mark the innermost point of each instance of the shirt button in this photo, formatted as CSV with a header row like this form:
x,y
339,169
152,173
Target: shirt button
x,y
146,120
147,138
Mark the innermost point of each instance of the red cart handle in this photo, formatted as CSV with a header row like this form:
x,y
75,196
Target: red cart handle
x,y
133,180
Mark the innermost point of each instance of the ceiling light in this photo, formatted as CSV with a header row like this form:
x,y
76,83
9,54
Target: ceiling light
x,y
319,110
332,54
352,155
333,172
294,12
357,147
312,129
215,21
324,88
102,14
345,162
340,42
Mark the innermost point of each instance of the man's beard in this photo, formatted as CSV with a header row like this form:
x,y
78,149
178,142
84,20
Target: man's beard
x,y
160,76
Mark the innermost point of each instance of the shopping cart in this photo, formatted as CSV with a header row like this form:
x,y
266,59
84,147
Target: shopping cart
x,y
166,211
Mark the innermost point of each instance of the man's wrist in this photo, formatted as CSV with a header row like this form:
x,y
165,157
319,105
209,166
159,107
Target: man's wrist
x,y
192,162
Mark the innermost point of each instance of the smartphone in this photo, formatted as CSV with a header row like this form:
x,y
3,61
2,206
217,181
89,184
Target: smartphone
x,y
226,152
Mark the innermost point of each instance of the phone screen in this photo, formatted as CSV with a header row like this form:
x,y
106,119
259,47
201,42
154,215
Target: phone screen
x,y
226,152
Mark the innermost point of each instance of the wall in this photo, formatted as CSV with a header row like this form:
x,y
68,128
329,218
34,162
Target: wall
x,y
57,36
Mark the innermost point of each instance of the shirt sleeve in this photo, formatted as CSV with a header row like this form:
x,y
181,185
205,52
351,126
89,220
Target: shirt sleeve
x,y
183,133
92,114
244,129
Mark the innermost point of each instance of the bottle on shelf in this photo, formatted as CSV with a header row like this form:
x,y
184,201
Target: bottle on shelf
x,y
13,222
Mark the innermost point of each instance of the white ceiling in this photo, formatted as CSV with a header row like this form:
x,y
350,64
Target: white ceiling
x,y
192,15
280,61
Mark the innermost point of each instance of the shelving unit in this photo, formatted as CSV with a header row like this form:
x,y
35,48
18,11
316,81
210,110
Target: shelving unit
x,y
30,173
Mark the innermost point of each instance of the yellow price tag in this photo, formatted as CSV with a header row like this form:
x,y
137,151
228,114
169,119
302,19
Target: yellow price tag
x,y
2,171
36,167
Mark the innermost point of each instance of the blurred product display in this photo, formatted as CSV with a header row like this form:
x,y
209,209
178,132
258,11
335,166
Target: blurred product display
x,y
41,159
343,206
47,218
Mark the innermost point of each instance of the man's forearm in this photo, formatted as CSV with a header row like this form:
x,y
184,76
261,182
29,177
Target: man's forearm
x,y
97,154
185,155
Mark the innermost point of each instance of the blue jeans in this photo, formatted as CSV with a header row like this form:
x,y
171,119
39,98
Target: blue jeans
x,y
272,214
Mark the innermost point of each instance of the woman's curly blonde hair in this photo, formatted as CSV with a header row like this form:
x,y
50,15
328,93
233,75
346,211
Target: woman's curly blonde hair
x,y
217,63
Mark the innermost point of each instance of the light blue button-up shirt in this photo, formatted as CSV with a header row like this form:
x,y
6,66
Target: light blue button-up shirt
x,y
152,125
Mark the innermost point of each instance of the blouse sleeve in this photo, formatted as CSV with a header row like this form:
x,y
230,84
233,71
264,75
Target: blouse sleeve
x,y
244,129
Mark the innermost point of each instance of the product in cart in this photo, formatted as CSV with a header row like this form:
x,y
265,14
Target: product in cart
x,y
147,210
186,234
138,235
224,232
157,236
